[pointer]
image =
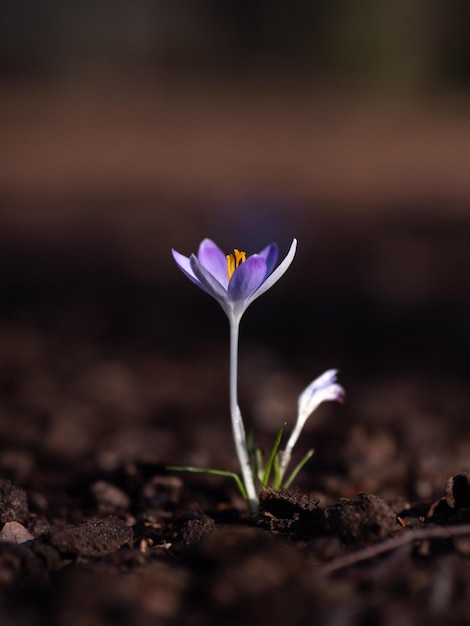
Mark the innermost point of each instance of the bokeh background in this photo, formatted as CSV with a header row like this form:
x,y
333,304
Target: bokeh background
x,y
133,126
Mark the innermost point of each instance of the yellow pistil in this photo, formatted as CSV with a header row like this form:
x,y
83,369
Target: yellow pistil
x,y
234,260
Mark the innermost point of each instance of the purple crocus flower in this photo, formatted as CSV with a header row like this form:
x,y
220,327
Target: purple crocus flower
x,y
234,280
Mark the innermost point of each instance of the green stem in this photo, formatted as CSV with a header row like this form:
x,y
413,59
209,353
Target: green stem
x,y
238,428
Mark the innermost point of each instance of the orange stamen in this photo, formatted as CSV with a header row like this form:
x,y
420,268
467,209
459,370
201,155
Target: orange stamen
x,y
234,260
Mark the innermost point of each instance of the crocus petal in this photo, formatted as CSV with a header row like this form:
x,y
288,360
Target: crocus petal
x,y
276,275
325,380
185,266
333,392
246,279
322,389
270,254
208,282
214,260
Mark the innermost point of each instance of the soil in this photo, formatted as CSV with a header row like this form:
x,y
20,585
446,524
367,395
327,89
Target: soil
x,y
105,380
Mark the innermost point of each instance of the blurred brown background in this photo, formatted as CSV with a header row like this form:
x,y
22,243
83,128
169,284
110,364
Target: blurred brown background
x,y
130,127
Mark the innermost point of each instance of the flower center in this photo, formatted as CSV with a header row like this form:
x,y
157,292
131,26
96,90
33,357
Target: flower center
x,y
234,260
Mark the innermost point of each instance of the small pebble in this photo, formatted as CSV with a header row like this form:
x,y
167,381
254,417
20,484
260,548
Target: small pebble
x,y
14,532
109,498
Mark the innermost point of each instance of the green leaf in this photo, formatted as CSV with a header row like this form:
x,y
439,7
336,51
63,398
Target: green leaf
x,y
216,472
272,456
259,464
297,469
277,473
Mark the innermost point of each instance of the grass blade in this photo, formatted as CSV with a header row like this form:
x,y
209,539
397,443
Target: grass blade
x,y
215,472
272,456
297,469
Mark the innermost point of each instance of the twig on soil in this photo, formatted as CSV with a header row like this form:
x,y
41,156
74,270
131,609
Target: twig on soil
x,y
432,532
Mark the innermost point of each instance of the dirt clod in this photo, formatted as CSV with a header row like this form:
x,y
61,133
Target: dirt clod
x,y
458,491
96,537
367,518
195,529
13,503
283,512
